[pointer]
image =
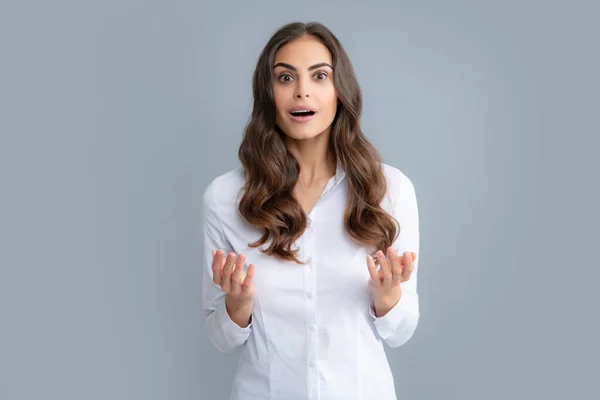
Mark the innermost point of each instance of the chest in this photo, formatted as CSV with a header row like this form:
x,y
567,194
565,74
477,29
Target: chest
x,y
308,197
336,269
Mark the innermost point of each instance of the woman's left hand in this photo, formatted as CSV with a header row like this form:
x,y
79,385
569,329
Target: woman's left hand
x,y
385,283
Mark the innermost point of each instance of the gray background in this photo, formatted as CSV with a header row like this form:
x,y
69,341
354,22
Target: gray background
x,y
116,114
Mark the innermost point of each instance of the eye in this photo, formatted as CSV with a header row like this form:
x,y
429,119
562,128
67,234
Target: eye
x,y
282,76
323,74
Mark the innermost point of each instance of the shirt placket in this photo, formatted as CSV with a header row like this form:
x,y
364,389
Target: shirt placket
x,y
310,283
312,341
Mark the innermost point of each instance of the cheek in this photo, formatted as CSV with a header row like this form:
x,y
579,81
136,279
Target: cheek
x,y
330,95
332,101
278,96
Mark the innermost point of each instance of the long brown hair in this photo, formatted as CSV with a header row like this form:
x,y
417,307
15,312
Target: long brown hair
x,y
271,171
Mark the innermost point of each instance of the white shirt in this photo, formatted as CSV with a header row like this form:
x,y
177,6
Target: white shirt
x,y
313,331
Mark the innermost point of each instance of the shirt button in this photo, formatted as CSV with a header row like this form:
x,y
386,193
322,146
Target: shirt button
x,y
309,295
312,363
309,221
311,327
309,260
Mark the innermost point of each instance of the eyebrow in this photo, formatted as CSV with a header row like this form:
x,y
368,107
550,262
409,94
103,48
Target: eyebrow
x,y
291,67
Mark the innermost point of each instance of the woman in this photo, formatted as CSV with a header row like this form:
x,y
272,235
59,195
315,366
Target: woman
x,y
289,277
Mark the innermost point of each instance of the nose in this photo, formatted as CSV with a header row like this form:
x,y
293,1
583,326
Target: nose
x,y
301,88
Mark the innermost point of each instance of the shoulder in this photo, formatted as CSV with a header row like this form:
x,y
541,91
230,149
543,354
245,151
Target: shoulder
x,y
400,194
223,190
398,182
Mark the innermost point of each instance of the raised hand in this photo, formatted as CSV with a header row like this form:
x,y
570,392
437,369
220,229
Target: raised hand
x,y
385,283
238,285
230,275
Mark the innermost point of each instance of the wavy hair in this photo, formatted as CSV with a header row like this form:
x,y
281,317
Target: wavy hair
x,y
271,171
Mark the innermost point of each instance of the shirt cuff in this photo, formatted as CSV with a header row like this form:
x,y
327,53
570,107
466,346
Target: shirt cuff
x,y
230,328
389,322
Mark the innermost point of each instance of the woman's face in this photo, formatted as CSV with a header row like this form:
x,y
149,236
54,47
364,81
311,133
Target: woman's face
x,y
303,79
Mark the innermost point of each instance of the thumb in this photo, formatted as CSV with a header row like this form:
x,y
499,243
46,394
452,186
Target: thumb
x,y
248,278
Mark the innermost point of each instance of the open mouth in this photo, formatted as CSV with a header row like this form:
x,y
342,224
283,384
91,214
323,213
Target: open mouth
x,y
307,113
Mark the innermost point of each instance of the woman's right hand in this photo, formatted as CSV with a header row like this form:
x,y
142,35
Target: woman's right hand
x,y
230,275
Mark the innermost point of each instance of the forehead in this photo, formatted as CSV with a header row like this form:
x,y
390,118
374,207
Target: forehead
x,y
303,52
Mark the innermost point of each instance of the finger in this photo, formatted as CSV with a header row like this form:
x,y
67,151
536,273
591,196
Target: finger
x,y
237,277
385,272
373,270
409,266
227,270
396,266
217,265
248,279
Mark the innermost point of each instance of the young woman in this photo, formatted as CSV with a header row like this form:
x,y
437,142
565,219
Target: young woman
x,y
311,245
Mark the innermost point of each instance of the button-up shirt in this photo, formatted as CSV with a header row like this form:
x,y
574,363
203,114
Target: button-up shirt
x,y
313,332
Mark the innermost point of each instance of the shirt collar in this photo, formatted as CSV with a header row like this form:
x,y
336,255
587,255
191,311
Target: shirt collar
x,y
340,172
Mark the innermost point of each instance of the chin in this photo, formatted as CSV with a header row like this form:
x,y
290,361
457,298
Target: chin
x,y
303,134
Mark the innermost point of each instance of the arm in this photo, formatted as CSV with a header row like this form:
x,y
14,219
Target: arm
x,y
225,334
397,325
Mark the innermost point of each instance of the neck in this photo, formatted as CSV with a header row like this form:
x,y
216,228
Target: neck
x,y
317,164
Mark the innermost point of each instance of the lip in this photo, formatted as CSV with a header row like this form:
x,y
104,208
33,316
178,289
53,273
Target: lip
x,y
301,107
301,119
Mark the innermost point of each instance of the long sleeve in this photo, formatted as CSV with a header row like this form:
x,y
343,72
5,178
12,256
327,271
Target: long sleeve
x,y
224,333
398,325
